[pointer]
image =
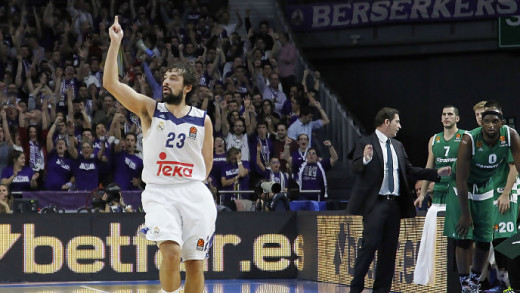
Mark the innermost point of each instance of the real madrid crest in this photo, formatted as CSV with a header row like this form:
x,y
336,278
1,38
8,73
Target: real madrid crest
x,y
160,126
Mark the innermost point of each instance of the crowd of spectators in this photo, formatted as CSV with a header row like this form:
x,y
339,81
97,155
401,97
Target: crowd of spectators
x,y
61,130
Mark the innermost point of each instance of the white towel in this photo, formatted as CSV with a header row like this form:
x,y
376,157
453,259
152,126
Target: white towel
x,y
424,274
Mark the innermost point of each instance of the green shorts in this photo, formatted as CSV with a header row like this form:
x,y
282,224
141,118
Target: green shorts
x,y
505,224
439,197
481,208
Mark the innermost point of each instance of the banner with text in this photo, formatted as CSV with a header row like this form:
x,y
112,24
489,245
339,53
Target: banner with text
x,y
84,247
340,15
307,245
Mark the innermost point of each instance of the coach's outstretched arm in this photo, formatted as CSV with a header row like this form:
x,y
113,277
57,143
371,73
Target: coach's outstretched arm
x,y
130,99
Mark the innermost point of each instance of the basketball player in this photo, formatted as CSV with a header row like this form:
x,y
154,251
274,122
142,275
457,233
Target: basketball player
x,y
470,214
177,156
442,151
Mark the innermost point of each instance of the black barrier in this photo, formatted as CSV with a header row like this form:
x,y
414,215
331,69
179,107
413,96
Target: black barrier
x,y
247,245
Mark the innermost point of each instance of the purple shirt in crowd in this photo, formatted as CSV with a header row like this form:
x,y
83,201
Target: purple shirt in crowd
x,y
230,170
59,171
127,167
22,181
265,153
298,157
216,171
86,172
312,179
104,168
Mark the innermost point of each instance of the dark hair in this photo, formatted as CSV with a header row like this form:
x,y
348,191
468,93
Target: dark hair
x,y
455,110
313,149
221,137
14,154
261,122
383,114
188,74
305,110
298,138
493,104
281,123
270,104
132,134
87,129
240,119
229,117
38,131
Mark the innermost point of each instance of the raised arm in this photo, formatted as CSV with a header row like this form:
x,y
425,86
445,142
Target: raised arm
x,y
332,152
116,132
258,157
50,134
324,118
207,147
72,141
5,126
218,112
128,97
286,154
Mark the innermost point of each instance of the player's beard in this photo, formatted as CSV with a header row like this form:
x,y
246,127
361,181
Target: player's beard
x,y
172,99
493,135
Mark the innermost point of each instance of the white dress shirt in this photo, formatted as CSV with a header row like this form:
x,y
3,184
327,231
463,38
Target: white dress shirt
x,y
384,190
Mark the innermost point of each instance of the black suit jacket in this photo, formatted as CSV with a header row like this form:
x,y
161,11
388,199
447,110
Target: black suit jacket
x,y
365,192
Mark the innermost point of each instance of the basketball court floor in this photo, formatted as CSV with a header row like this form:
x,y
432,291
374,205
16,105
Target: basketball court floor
x,y
212,286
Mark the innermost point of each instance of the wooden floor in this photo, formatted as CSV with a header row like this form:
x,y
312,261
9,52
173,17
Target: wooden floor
x,y
212,286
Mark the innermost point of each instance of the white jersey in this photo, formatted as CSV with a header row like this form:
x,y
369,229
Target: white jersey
x,y
172,148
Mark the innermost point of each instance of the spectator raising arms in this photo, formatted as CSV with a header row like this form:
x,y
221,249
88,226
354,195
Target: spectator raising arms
x,y
311,175
59,164
127,165
87,166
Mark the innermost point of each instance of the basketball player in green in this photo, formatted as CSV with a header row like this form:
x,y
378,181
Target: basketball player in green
x,y
442,151
481,152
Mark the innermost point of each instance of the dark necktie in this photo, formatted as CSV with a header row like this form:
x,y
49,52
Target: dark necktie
x,y
390,167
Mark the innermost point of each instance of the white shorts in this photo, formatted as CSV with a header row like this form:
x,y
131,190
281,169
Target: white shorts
x,y
184,213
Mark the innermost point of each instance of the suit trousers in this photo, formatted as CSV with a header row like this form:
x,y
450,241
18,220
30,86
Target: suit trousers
x,y
380,232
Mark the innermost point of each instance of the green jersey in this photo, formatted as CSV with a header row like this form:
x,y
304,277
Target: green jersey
x,y
445,153
485,163
500,177
487,159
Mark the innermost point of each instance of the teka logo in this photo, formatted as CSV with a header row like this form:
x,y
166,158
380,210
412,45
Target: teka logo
x,y
173,168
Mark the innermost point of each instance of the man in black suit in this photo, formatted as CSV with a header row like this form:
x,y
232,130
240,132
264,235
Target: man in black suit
x,y
382,196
